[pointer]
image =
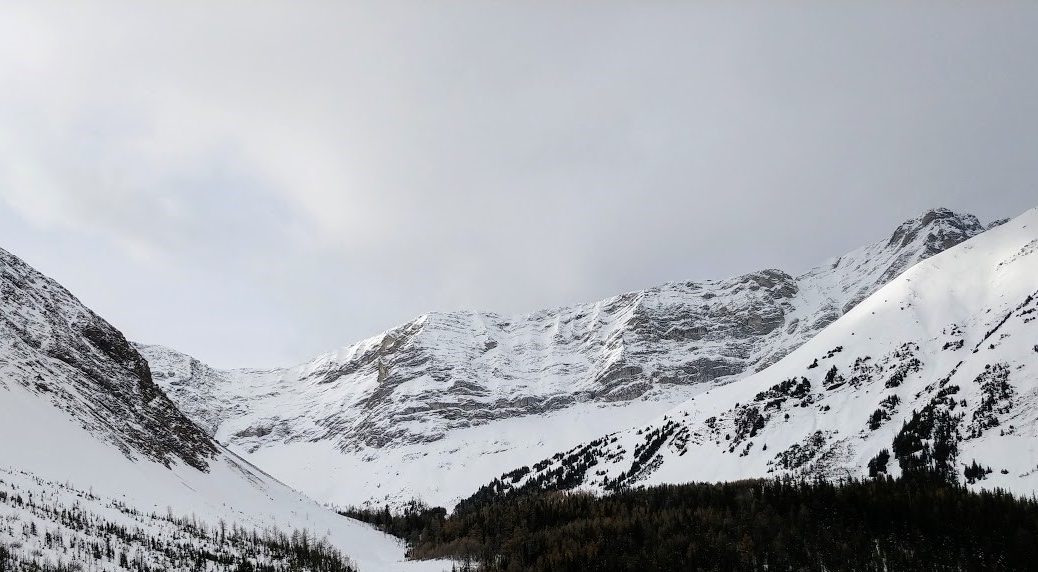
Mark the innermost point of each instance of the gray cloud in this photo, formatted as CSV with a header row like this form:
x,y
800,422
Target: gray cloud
x,y
254,185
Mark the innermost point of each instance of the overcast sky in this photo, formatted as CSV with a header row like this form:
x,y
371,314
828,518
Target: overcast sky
x,y
255,183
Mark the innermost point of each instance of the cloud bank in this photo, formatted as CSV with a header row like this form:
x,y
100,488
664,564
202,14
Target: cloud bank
x,y
254,183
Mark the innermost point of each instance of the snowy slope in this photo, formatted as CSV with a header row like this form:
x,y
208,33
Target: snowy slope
x,y
78,407
939,368
440,405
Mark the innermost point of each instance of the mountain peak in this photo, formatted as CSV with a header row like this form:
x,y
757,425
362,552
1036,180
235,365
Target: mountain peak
x,y
941,229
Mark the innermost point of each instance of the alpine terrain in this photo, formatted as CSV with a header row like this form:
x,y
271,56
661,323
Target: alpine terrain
x,y
99,470
437,407
934,374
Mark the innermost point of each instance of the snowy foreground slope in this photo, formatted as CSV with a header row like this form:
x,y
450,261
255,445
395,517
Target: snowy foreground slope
x,y
939,369
83,428
437,407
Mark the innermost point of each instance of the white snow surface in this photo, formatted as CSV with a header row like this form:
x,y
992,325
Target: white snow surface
x,y
436,407
45,442
957,332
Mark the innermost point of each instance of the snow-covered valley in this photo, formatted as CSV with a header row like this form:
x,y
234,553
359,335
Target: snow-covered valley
x,y
915,352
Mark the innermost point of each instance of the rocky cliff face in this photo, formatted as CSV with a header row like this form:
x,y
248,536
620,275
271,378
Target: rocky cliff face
x,y
425,381
53,346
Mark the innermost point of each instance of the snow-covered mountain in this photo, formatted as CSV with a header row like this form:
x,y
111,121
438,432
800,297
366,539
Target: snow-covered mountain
x,y
937,370
436,407
92,453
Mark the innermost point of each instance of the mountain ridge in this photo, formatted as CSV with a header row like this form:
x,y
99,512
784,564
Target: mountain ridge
x,y
377,407
936,372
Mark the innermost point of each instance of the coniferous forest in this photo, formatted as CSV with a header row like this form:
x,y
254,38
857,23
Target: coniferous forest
x,y
882,524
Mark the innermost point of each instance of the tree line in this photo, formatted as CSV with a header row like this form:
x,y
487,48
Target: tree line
x,y
916,523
